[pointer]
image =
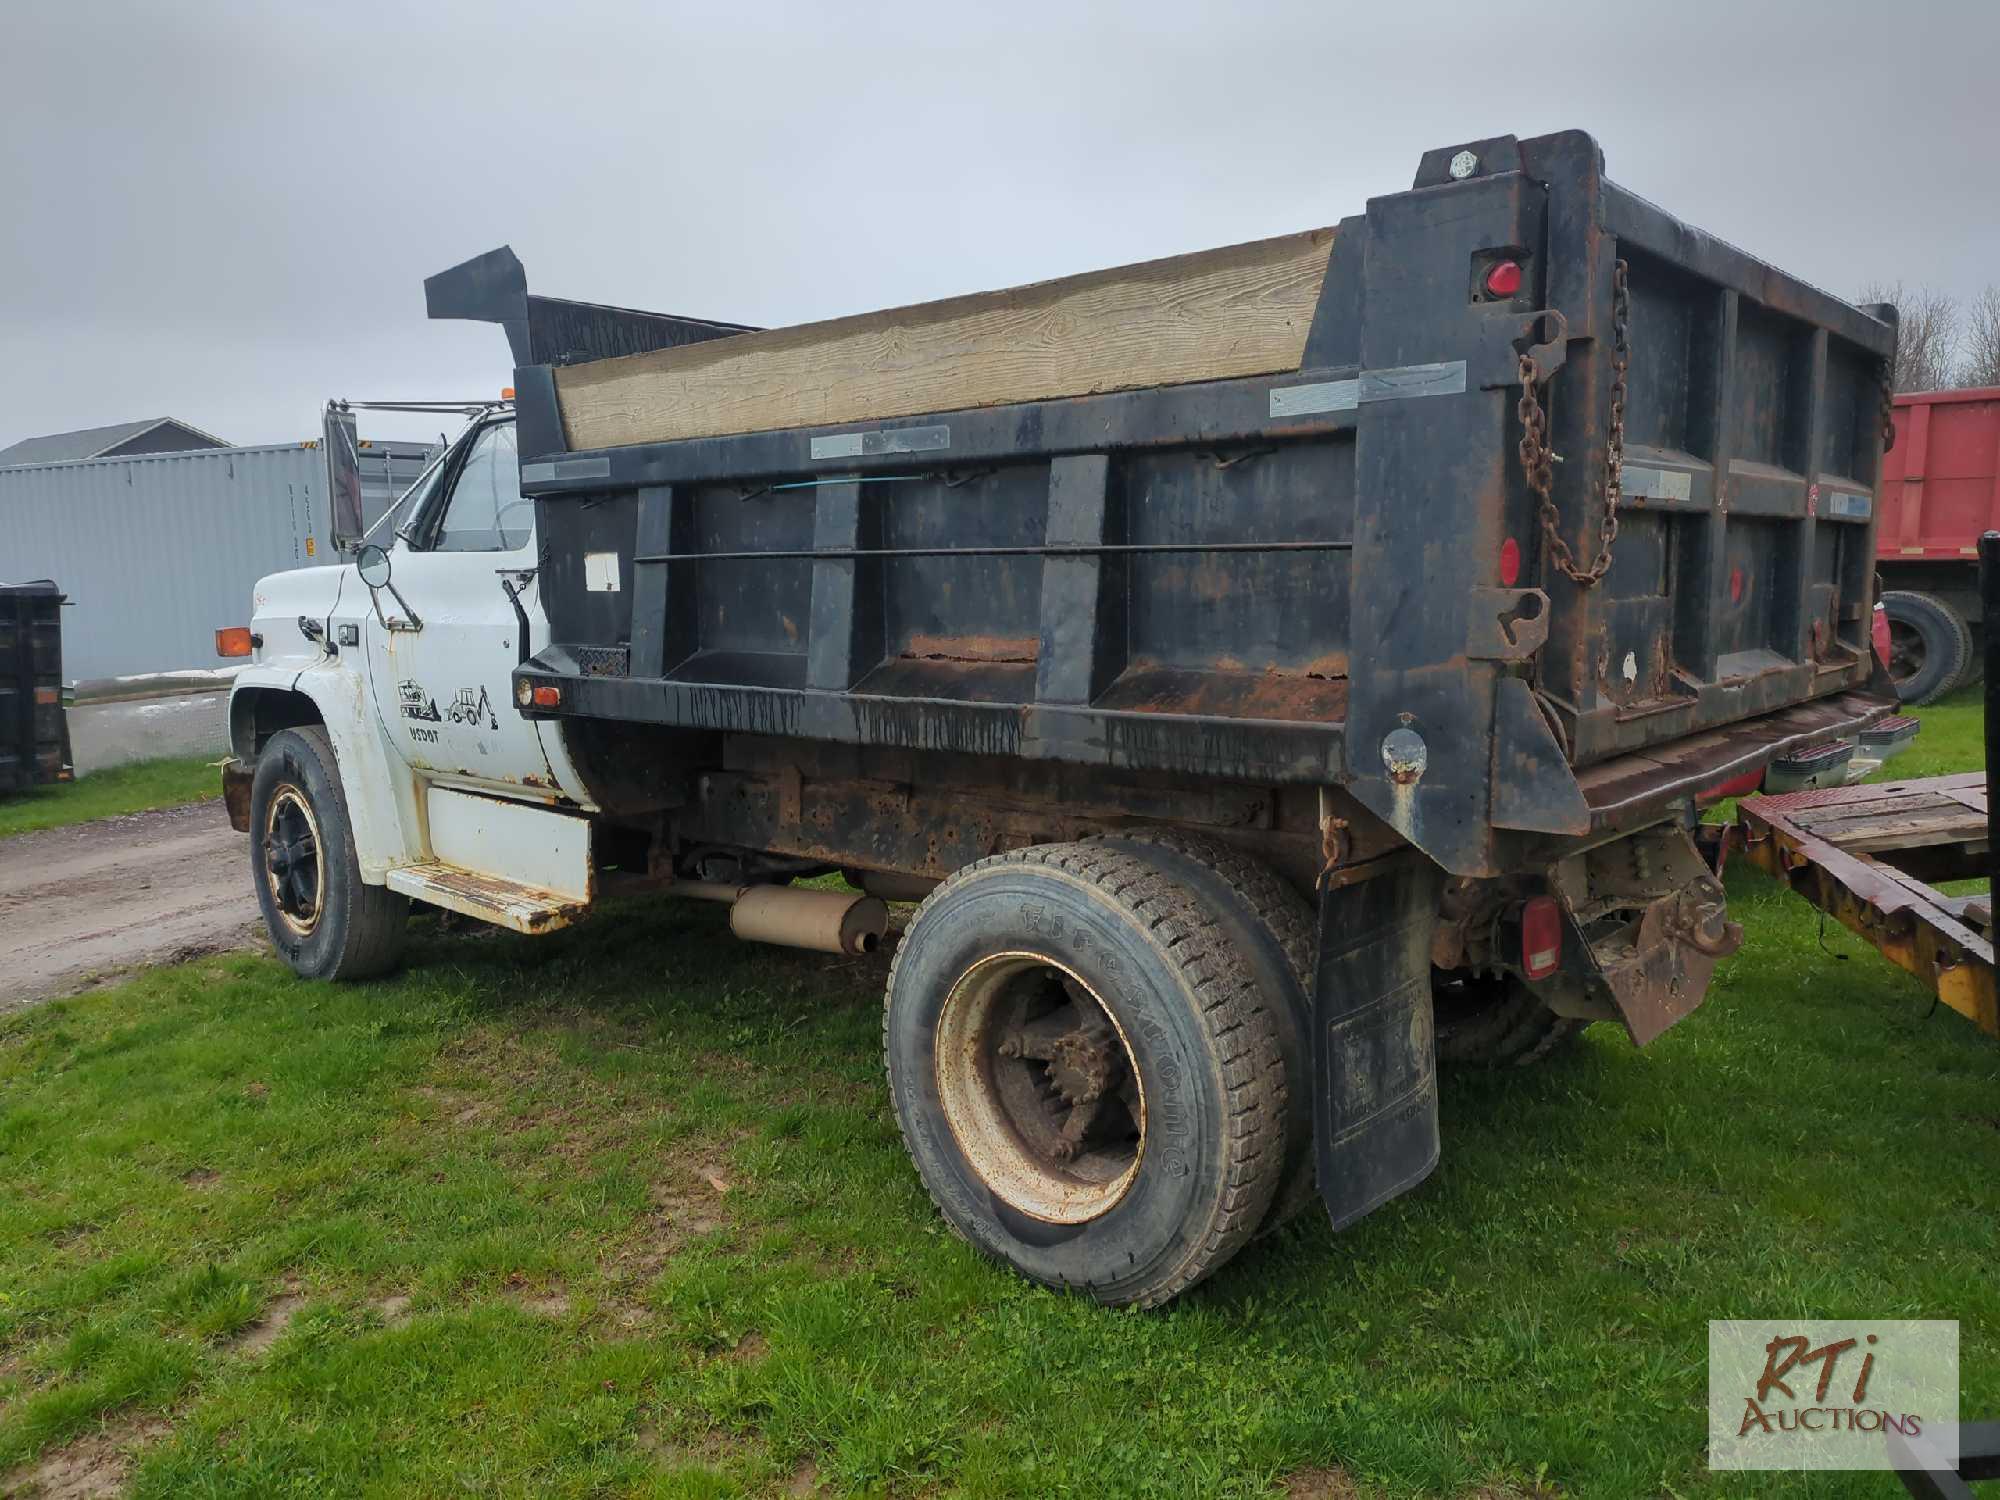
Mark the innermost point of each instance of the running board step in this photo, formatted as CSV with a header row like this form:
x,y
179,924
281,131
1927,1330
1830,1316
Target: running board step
x,y
507,903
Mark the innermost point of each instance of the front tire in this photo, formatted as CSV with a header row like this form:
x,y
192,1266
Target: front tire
x,y
1085,1073
323,919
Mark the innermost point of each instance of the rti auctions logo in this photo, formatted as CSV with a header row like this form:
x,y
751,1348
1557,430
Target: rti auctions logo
x,y
1785,1354
1819,1394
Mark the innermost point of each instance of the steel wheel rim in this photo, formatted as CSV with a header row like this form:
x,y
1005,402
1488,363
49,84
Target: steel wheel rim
x,y
294,861
1030,1062
1907,651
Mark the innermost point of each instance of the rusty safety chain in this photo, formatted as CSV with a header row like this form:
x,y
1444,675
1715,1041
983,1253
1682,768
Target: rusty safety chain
x,y
1888,404
1538,459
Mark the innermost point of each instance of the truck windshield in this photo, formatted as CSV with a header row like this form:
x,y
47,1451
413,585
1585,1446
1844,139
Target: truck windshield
x,y
397,519
407,504
486,512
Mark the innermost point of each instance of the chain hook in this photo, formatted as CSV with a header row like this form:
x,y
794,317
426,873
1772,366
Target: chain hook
x,y
1538,458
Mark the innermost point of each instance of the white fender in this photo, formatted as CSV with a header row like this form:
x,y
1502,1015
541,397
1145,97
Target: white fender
x,y
388,829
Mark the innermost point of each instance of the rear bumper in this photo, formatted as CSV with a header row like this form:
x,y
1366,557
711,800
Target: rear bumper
x,y
1645,784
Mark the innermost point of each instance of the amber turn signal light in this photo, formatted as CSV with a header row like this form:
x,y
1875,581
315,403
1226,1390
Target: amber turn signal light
x,y
233,640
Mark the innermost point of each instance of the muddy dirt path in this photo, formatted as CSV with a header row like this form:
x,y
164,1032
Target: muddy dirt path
x,y
80,904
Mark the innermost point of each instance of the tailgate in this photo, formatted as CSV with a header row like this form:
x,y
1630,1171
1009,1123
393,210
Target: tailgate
x,y
1741,571
1700,569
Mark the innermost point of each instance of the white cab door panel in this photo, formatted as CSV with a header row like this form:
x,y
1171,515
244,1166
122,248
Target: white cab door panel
x,y
444,689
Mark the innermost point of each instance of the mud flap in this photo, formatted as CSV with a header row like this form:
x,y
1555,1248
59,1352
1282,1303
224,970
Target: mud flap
x,y
1375,1103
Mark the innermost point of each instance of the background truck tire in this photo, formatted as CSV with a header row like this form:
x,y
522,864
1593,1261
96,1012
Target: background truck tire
x,y
1488,1022
1027,981
323,919
1930,645
1273,928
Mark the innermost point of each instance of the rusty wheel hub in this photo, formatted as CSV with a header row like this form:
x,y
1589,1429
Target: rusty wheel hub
x,y
1907,651
294,865
1040,1088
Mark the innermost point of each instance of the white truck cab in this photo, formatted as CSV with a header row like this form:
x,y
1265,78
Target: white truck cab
x,y
378,755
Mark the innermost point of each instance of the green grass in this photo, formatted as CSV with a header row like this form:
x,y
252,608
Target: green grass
x,y
489,1194
104,794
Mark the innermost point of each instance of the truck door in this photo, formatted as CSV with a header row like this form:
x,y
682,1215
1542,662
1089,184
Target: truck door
x,y
447,637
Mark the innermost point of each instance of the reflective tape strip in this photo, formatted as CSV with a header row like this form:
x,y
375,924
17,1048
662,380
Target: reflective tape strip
x,y
1323,395
1413,380
1655,484
868,444
566,468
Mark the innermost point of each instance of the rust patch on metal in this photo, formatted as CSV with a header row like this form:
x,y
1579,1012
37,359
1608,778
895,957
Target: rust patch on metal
x,y
1021,648
1629,784
1287,696
1661,973
496,895
1659,924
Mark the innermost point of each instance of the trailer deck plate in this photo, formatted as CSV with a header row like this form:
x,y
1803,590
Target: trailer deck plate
x,y
1862,854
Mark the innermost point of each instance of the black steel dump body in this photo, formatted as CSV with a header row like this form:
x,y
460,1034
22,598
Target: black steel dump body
x,y
1332,575
34,733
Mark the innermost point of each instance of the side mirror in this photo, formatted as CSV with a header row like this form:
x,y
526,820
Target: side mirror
x,y
343,476
371,561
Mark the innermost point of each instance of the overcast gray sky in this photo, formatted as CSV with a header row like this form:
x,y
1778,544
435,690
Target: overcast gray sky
x,y
224,212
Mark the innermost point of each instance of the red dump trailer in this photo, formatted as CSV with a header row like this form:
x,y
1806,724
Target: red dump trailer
x,y
1940,490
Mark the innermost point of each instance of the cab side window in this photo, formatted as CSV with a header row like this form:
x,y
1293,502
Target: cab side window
x,y
486,512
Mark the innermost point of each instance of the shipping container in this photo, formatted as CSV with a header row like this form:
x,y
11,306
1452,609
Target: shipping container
x,y
1940,490
159,550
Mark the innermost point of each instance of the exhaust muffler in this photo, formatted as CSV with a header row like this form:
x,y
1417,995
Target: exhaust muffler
x,y
824,921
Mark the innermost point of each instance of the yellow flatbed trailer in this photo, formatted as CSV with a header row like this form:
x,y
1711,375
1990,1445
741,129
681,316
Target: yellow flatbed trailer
x,y
1869,856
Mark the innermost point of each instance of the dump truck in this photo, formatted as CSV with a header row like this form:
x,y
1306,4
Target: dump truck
x,y
1940,493
1274,671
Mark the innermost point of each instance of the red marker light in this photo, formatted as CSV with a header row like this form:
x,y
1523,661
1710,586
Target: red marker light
x,y
1510,563
1504,280
1541,937
548,697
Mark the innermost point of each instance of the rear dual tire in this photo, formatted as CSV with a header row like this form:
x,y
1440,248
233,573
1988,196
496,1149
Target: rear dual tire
x,y
1273,928
1085,1070
1489,1021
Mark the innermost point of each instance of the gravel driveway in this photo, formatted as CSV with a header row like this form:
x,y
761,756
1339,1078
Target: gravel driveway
x,y
79,904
